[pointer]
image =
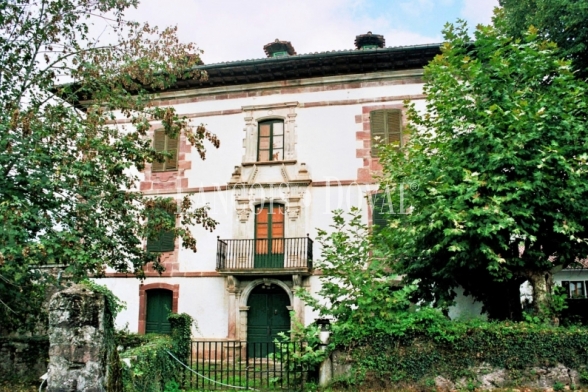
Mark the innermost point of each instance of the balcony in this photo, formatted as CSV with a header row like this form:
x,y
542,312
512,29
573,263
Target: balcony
x,y
276,256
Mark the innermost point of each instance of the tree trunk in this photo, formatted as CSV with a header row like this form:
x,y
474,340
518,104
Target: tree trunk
x,y
541,283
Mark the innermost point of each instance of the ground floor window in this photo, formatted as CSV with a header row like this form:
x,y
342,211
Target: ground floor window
x,y
576,289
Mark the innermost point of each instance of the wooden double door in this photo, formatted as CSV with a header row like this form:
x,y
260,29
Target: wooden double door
x,y
269,236
268,315
159,305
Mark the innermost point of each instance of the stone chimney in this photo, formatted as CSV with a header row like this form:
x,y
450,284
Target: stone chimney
x,y
369,41
279,49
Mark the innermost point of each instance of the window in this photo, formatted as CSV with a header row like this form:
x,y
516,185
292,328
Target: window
x,y
385,128
164,241
162,142
270,145
575,289
380,206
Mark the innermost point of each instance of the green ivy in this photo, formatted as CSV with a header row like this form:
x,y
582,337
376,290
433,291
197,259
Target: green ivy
x,y
451,349
181,327
151,368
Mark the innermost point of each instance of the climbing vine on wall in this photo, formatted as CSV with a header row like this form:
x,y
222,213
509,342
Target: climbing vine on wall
x,y
150,367
451,349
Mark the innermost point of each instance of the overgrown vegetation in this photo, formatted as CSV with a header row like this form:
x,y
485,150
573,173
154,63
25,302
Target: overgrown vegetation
x,y
150,366
452,350
495,173
392,341
75,117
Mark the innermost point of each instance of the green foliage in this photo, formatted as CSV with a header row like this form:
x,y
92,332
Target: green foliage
x,y
151,366
300,351
357,289
452,349
152,369
495,172
561,21
70,154
113,303
181,327
128,340
552,310
558,386
28,352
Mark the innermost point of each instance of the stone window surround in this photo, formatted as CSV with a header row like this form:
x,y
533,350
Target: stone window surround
x,y
239,296
254,114
143,288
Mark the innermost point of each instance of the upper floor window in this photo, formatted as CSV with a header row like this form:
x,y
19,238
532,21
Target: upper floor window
x,y
380,207
270,144
386,128
162,142
163,240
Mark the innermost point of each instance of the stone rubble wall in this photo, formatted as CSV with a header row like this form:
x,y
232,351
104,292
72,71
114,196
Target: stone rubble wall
x,y
23,358
486,377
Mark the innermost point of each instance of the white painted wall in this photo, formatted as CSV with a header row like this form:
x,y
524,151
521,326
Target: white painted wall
x,y
465,307
326,142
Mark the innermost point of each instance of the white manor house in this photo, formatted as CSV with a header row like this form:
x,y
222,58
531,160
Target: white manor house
x,y
296,137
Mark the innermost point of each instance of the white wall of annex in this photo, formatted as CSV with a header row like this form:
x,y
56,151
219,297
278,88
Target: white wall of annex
x,y
127,290
570,275
204,299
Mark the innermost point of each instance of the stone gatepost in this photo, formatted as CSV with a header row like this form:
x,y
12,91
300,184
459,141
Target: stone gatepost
x,y
77,344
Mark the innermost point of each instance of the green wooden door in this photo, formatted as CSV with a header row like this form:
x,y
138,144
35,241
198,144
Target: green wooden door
x,y
269,236
268,316
159,305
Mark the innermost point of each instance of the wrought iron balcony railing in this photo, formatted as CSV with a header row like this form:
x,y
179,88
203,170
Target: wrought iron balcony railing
x,y
272,254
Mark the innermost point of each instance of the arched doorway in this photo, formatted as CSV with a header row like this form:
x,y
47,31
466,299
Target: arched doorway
x,y
159,305
268,316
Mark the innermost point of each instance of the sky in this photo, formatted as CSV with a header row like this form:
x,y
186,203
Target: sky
x,y
230,30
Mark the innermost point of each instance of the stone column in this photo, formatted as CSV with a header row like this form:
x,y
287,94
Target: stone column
x,y
77,341
297,303
243,329
232,284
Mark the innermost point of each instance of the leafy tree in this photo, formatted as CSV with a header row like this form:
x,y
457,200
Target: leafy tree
x,y
357,289
498,171
68,165
561,21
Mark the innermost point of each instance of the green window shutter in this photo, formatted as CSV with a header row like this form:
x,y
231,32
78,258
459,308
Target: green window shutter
x,y
377,130
158,145
394,127
385,128
172,148
165,241
379,209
